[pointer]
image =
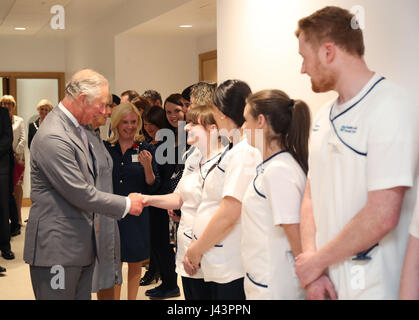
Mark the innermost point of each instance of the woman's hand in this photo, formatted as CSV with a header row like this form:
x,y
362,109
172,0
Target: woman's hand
x,y
193,256
145,158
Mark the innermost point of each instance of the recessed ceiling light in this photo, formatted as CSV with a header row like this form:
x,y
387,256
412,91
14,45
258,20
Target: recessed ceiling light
x,y
185,26
20,28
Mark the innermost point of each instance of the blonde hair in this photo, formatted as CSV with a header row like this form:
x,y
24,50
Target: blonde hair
x,y
118,113
7,98
46,103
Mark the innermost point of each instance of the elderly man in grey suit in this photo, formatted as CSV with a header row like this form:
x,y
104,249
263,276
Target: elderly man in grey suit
x,y
60,239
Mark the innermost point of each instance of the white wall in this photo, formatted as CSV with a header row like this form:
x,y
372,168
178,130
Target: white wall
x,y
32,54
94,47
165,64
206,43
256,43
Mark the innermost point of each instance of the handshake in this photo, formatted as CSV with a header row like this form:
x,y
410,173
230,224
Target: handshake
x,y
137,203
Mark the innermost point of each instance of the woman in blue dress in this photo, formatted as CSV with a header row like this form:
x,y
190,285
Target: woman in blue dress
x,y
134,170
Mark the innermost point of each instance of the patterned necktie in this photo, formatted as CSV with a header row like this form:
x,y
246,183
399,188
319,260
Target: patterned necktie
x,y
84,137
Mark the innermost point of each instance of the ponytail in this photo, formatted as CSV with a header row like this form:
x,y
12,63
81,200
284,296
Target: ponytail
x,y
296,140
288,119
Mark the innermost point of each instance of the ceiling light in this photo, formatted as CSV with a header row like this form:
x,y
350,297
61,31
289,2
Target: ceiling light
x,y
20,28
185,26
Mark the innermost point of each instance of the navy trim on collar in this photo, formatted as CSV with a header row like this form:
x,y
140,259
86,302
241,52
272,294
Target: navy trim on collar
x,y
350,108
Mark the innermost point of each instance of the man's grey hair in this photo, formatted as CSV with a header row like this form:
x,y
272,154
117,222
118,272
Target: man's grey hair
x,y
203,93
86,81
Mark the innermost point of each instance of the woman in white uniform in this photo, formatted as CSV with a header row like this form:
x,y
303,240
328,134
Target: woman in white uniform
x,y
203,135
271,205
216,247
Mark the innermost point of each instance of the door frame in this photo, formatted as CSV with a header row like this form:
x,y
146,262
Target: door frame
x,y
205,57
13,76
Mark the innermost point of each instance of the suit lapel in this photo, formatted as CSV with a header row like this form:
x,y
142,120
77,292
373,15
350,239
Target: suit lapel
x,y
74,135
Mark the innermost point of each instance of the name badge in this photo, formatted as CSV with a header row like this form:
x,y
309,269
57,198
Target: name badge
x,y
134,157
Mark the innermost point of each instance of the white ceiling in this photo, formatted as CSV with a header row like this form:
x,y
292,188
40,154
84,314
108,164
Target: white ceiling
x,y
201,14
79,14
35,15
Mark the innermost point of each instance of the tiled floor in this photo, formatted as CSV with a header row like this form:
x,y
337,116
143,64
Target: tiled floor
x,y
15,283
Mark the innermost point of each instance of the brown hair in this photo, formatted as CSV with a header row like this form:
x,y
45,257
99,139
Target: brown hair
x,y
203,114
141,103
289,121
332,24
131,94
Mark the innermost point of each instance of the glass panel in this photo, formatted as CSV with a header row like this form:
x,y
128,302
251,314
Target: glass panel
x,y
29,93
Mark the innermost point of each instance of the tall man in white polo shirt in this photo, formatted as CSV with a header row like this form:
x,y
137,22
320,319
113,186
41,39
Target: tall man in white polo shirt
x,y
363,168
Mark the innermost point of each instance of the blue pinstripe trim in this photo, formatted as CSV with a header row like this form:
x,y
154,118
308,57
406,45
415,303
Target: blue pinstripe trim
x,y
362,98
257,191
256,283
364,154
187,236
217,245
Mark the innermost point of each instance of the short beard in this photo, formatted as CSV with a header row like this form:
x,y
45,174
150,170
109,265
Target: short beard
x,y
325,83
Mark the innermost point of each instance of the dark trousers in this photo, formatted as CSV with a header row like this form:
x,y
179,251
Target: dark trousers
x,y
4,213
13,214
153,267
62,283
233,290
196,289
160,244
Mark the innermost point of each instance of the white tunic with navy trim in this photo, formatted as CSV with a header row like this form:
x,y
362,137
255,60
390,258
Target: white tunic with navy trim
x,y
190,190
369,143
222,263
273,199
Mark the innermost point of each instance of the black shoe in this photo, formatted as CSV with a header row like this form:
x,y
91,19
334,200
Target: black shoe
x,y
2,269
8,255
161,294
149,278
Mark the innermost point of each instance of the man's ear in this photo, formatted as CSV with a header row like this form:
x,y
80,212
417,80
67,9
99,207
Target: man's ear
x,y
329,51
82,99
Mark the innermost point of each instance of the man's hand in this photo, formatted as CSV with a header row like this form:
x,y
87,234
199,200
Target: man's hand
x,y
136,204
321,289
308,267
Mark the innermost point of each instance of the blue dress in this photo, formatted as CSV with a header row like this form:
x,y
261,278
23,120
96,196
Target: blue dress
x,y
128,177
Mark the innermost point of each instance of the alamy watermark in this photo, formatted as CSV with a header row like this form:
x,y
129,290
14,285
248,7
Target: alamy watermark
x,y
58,20
58,280
358,21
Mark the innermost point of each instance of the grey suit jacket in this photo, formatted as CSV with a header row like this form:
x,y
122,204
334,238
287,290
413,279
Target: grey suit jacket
x,y
60,226
107,271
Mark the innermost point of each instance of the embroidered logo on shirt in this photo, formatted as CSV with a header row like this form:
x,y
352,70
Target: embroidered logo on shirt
x,y
348,129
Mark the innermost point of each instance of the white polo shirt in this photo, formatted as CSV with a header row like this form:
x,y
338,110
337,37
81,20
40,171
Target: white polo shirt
x,y
190,190
369,143
274,198
222,263
414,225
